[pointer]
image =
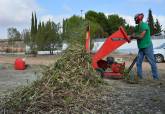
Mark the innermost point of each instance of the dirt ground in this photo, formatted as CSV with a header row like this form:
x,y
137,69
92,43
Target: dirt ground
x,y
39,60
146,97
11,78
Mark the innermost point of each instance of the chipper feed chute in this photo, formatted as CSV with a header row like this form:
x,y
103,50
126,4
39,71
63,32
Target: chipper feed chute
x,y
112,43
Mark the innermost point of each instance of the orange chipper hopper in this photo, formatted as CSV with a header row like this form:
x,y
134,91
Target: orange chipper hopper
x,y
113,42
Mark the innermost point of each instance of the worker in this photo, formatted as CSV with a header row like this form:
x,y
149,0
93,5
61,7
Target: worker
x,y
145,46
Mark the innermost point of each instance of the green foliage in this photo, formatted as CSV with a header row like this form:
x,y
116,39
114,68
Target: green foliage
x,y
25,35
96,30
155,27
102,20
44,36
158,27
35,23
74,29
114,22
99,20
151,22
47,36
32,24
33,31
40,36
91,16
109,24
13,34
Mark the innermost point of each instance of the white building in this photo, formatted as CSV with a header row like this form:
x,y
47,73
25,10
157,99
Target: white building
x,y
128,47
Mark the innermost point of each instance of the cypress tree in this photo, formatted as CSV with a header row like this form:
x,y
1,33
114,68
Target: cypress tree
x,y
39,36
35,23
151,22
32,25
158,26
32,32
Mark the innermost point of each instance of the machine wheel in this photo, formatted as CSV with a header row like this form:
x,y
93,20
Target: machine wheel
x,y
159,58
110,60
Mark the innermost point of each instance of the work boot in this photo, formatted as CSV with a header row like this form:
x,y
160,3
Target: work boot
x,y
155,78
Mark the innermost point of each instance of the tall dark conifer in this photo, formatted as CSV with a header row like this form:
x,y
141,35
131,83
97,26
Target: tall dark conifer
x,y
158,26
32,25
35,23
151,22
33,31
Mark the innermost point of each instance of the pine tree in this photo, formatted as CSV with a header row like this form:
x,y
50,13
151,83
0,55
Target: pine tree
x,y
158,27
151,22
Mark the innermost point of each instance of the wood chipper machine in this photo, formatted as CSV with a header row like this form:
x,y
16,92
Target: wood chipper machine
x,y
113,42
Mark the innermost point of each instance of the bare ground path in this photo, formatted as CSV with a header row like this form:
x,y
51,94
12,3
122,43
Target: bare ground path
x,y
146,97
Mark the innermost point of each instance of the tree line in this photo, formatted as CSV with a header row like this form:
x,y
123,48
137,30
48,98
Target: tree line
x,y
44,35
49,35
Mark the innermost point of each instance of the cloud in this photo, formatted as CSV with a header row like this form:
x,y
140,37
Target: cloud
x,y
129,19
16,13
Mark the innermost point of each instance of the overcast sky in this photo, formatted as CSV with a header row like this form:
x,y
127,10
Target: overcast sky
x,y
17,13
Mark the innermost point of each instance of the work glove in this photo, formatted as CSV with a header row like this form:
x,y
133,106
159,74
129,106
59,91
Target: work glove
x,y
132,36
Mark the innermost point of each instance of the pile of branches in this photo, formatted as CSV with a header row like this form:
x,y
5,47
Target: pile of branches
x,y
69,86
